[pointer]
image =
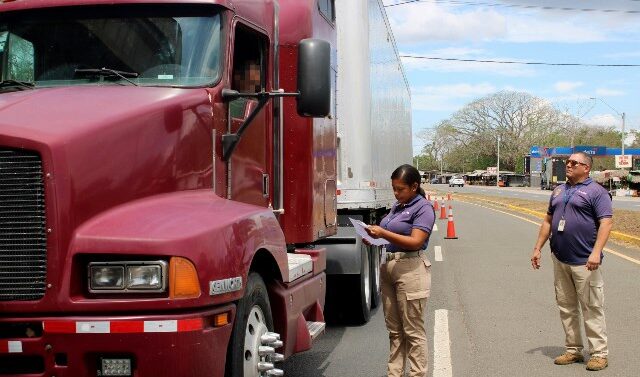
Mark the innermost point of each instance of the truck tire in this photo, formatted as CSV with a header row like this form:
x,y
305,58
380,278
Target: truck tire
x,y
361,303
348,299
376,252
253,319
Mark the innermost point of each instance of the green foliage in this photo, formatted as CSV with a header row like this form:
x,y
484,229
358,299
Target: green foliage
x,y
469,139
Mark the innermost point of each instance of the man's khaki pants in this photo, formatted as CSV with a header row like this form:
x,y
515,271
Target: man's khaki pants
x,y
577,287
405,285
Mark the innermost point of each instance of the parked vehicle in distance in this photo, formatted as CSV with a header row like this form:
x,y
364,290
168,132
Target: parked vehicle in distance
x,y
456,181
434,181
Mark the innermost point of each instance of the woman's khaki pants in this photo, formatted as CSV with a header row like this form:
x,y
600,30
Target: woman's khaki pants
x,y
405,286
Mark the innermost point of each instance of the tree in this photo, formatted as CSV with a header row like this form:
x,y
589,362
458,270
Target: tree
x,y
468,140
636,139
520,120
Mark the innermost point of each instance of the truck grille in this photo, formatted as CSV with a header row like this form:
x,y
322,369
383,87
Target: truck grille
x,y
23,241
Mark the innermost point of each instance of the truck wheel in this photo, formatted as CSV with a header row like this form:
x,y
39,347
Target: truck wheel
x,y
375,275
362,302
253,319
348,299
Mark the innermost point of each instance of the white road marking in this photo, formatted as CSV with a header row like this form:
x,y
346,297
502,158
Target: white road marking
x,y
441,345
435,227
438,252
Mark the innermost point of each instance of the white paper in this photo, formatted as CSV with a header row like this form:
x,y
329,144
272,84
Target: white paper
x,y
360,229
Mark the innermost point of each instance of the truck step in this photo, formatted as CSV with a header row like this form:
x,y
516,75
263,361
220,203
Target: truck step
x,y
299,265
315,328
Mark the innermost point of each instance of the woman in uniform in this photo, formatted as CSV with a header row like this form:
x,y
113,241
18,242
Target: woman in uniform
x,y
406,276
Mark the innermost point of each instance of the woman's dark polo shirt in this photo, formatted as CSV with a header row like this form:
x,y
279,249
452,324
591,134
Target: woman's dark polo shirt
x,y
586,204
418,213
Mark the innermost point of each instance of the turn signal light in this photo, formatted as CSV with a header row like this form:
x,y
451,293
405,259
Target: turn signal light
x,y
183,279
221,319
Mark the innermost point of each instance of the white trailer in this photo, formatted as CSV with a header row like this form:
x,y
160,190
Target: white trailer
x,y
374,137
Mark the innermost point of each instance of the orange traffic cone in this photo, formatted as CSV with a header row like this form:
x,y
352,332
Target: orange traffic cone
x,y
429,197
451,228
443,211
435,204
449,196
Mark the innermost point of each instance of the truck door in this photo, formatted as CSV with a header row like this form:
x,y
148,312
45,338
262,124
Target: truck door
x,y
250,162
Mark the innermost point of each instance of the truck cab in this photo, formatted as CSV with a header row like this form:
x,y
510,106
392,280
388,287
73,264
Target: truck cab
x,y
143,216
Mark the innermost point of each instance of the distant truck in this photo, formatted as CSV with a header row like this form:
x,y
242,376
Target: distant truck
x,y
374,137
553,172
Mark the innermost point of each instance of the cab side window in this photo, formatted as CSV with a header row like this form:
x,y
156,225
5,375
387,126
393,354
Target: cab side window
x,y
19,58
248,75
327,9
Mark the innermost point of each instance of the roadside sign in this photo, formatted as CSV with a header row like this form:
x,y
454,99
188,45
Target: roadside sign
x,y
592,150
492,170
623,161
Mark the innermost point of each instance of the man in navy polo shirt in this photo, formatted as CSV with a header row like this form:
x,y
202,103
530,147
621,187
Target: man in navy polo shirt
x,y
579,220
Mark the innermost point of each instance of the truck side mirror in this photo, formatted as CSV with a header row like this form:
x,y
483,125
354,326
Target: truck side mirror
x,y
314,78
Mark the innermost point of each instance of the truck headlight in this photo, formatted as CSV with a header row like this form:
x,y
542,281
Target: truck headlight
x,y
144,277
128,277
107,277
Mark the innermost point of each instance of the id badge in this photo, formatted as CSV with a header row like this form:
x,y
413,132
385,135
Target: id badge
x,y
561,225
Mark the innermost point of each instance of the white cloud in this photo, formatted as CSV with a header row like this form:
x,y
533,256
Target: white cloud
x,y
567,86
604,92
531,29
605,120
448,97
429,22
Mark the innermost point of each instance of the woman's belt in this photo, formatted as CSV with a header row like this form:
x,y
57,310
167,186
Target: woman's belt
x,y
403,254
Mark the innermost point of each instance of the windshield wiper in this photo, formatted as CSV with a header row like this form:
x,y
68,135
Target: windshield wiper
x,y
108,72
17,84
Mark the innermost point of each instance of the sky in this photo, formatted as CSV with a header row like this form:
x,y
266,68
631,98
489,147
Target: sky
x,y
604,32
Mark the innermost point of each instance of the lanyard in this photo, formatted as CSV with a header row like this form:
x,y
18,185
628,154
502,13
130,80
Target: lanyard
x,y
567,197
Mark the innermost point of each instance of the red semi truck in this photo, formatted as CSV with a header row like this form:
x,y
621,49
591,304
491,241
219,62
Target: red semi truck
x,y
161,189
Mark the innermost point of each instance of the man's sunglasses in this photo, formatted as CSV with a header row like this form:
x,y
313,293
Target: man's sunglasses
x,y
573,163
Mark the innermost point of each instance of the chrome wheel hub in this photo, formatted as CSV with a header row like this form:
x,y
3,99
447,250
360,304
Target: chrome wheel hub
x,y
259,347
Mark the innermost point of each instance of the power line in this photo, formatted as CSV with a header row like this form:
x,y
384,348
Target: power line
x,y
517,62
522,6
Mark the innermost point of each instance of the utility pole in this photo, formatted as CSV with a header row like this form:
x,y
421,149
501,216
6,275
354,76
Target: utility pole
x,y
623,116
498,167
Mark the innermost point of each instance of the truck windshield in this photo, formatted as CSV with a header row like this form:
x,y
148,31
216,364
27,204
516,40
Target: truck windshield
x,y
164,45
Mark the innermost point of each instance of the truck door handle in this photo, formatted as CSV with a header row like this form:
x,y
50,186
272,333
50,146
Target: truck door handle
x,y
265,185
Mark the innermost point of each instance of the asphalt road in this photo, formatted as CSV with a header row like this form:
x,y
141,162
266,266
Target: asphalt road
x,y
528,193
502,318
